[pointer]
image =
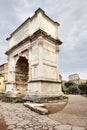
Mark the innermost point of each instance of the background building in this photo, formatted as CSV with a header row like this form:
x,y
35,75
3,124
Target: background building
x,y
3,76
76,79
83,81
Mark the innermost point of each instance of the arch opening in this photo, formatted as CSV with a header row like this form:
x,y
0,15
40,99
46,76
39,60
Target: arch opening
x,y
21,75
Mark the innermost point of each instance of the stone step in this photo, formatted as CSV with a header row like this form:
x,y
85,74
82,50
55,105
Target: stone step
x,y
37,107
34,104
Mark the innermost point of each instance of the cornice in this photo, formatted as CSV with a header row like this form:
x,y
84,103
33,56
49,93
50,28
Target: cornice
x,y
33,37
44,81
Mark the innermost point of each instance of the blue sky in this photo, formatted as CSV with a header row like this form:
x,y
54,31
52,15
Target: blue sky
x,y
72,16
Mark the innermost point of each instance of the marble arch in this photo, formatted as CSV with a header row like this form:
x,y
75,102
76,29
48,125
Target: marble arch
x,y
33,48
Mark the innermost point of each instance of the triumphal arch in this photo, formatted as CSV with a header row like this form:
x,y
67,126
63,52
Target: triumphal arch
x,y
33,63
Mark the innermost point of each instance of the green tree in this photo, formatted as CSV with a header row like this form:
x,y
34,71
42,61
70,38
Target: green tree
x,y
73,89
83,88
65,90
69,83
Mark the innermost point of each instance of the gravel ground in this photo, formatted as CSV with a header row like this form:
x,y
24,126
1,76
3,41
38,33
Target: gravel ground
x,y
74,113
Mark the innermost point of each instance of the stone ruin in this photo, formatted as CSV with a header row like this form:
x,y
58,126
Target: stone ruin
x,y
33,63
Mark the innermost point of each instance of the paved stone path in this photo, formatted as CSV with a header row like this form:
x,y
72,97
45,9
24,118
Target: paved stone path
x,y
75,112
18,117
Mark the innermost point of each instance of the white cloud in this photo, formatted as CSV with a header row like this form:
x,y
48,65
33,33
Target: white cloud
x,y
25,8
71,14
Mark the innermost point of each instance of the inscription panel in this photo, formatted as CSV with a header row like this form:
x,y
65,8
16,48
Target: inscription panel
x,y
49,71
49,56
26,30
21,34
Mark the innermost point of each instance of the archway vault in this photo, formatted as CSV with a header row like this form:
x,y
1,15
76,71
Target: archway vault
x,y
21,75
